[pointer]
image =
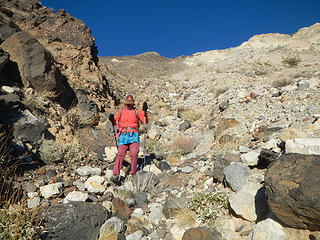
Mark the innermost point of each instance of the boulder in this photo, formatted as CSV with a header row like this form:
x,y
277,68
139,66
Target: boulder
x,y
303,146
201,233
94,184
267,230
76,196
154,133
35,64
50,189
88,170
113,223
220,163
184,126
236,176
7,29
266,157
74,221
4,57
29,129
293,191
250,158
249,202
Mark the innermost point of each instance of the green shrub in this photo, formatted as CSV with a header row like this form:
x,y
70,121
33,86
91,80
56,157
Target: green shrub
x,y
50,152
209,205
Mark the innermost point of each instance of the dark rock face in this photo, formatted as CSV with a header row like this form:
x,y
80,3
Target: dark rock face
x,y
201,233
74,221
7,29
4,57
293,190
34,62
266,157
29,129
220,163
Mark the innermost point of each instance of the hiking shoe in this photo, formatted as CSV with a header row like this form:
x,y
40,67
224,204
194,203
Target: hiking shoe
x,y
115,179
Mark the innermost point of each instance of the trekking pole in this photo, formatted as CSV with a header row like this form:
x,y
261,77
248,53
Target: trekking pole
x,y
145,108
111,118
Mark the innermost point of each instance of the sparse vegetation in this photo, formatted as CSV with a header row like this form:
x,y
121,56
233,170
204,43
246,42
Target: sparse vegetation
x,y
153,146
185,217
50,152
281,83
190,114
291,61
209,205
108,234
16,220
184,145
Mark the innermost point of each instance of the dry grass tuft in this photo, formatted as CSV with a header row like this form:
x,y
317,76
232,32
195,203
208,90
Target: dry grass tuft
x,y
184,145
184,217
108,234
291,61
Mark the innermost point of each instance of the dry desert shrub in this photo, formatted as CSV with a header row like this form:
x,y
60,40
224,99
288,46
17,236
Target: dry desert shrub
x,y
184,145
190,114
108,234
282,82
291,61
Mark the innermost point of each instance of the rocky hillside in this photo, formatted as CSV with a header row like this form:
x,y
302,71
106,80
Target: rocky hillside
x,y
232,147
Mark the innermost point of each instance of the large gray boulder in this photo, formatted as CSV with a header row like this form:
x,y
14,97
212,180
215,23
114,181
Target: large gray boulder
x,y
74,221
293,190
236,175
29,129
35,64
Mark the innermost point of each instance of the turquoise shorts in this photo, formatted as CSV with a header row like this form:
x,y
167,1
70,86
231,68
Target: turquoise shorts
x,y
125,138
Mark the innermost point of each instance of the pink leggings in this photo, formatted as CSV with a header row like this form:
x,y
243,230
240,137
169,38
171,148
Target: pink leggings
x,y
122,150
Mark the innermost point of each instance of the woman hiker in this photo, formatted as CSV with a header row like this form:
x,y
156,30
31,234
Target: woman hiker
x,y
127,121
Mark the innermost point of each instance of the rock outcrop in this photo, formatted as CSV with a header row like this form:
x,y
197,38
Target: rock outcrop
x,y
293,190
76,220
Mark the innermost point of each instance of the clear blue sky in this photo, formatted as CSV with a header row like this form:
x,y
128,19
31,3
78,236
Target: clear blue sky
x,y
183,27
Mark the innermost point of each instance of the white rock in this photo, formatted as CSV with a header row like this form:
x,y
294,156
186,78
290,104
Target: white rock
x,y
76,196
33,202
272,145
267,230
135,236
154,236
107,205
155,212
303,146
152,168
113,223
32,194
250,158
109,174
138,212
154,133
187,169
88,170
246,202
110,153
316,125
8,89
79,185
243,149
94,184
50,189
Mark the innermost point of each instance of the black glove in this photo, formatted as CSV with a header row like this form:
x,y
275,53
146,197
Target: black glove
x,y
145,106
111,118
